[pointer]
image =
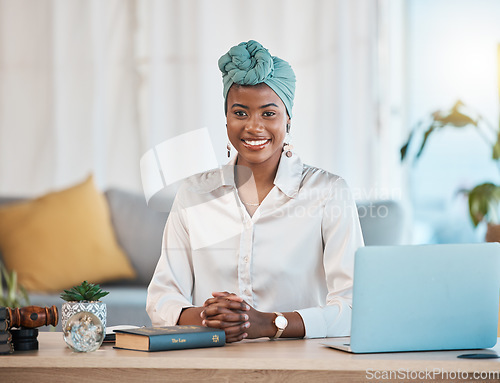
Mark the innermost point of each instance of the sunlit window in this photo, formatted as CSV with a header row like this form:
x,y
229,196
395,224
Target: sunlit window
x,y
451,55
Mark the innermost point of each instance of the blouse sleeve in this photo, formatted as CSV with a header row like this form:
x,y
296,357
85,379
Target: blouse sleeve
x,y
170,289
342,236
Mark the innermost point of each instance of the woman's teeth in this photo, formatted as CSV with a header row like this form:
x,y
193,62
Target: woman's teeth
x,y
255,143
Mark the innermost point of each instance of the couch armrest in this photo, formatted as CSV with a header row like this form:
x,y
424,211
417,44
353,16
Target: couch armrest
x,y
382,222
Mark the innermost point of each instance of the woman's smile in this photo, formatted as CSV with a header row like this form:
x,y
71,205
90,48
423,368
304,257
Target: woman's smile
x,y
255,143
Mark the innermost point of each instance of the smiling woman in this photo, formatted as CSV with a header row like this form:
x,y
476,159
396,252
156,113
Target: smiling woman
x,y
256,124
262,247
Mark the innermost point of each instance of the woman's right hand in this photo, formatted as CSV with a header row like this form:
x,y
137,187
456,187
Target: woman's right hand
x,y
227,311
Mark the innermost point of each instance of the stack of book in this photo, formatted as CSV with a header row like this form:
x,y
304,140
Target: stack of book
x,y
6,346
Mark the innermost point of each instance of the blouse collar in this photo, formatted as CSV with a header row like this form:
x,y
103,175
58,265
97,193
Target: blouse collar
x,y
288,177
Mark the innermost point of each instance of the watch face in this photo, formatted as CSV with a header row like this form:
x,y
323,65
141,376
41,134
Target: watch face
x,y
281,322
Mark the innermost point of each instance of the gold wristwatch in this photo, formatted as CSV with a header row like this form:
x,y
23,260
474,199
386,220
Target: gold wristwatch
x,y
280,322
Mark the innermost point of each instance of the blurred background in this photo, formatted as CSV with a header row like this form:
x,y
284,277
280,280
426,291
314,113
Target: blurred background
x,y
89,86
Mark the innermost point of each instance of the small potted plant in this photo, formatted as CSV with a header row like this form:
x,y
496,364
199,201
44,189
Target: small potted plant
x,y
484,199
84,297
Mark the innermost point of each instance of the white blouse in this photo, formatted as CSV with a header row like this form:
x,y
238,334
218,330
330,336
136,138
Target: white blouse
x,y
296,253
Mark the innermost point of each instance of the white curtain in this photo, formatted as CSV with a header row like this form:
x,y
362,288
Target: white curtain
x,y
68,94
90,85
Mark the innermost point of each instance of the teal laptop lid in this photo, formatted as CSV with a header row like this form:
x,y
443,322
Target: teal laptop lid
x,y
425,297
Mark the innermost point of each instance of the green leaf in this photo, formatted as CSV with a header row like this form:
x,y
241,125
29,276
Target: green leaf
x,y
84,292
457,120
82,288
100,295
405,147
15,295
496,148
455,117
403,151
483,199
424,141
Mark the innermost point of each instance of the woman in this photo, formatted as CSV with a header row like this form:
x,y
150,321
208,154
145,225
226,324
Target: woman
x,y
263,247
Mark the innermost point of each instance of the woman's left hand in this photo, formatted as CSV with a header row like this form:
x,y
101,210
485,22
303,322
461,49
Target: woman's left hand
x,y
229,313
260,323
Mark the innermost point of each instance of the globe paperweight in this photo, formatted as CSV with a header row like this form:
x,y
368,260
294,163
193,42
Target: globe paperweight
x,y
83,332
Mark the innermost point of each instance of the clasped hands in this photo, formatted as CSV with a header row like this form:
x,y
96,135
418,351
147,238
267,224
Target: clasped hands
x,y
238,319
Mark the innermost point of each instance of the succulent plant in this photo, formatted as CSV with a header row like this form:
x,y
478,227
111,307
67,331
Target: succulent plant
x,y
84,292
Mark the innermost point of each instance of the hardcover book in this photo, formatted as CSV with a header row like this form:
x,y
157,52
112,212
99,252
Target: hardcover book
x,y
5,337
169,338
6,348
4,324
110,331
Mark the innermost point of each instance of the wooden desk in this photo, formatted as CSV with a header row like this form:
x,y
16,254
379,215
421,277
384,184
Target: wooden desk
x,y
257,360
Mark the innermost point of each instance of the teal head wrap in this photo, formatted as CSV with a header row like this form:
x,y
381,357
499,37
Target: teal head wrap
x,y
249,63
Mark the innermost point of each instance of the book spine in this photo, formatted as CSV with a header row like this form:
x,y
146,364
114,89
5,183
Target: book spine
x,y
3,313
6,348
4,324
5,337
188,340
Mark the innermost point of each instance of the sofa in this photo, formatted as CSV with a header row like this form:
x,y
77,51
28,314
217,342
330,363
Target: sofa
x,y
138,230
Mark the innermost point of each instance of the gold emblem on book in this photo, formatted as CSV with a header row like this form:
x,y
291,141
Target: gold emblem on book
x,y
215,339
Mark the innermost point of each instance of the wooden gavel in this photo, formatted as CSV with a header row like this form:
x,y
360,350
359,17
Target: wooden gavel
x,y
32,316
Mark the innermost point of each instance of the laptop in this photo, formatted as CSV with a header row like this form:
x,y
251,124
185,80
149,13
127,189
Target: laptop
x,y
424,297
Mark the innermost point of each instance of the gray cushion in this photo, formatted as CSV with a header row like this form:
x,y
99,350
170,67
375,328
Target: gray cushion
x,y
138,229
382,222
7,200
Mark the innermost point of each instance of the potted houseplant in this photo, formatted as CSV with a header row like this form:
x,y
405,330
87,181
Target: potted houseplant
x,y
14,295
484,199
84,297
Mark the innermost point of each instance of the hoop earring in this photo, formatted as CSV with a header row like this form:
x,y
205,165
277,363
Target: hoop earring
x,y
228,149
287,147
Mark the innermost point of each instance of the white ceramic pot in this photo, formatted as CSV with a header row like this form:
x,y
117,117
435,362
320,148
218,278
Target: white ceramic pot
x,y
97,308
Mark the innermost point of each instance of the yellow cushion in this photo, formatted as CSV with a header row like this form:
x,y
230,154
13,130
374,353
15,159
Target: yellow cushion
x,y
61,239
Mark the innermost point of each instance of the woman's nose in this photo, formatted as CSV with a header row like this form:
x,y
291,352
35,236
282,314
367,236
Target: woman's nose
x,y
254,124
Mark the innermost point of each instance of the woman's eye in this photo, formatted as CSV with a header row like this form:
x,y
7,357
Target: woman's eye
x,y
269,114
240,113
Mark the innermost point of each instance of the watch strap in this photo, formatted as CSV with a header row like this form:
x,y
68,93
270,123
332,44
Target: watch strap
x,y
280,330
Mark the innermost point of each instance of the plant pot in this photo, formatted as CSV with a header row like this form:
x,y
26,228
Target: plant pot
x,y
97,308
493,233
